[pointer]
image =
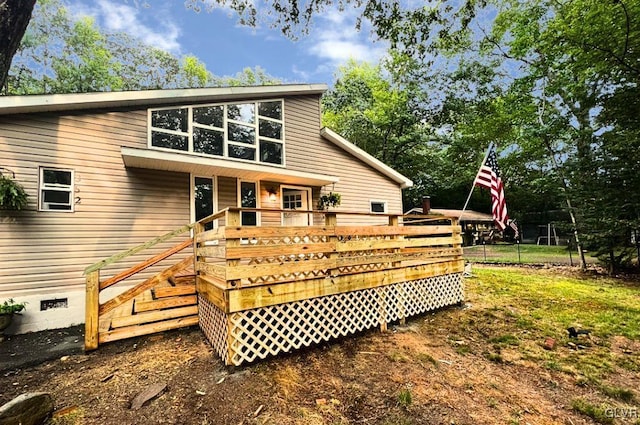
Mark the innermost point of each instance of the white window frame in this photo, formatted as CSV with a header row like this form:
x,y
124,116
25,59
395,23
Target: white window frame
x,y
226,142
188,134
239,197
42,186
192,200
378,201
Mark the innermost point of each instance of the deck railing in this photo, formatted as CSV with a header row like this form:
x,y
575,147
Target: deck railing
x,y
173,305
245,267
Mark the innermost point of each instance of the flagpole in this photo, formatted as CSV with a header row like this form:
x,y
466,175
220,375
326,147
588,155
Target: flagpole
x,y
486,155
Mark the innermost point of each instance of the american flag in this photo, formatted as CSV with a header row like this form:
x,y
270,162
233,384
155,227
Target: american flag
x,y
489,177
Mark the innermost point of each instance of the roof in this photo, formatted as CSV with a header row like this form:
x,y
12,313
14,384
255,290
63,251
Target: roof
x,y
77,101
378,165
468,215
110,100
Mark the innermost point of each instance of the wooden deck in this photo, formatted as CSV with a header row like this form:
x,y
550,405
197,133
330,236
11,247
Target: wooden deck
x,y
266,290
260,291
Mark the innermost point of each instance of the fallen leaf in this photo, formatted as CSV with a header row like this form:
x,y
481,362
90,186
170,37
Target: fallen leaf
x,y
149,393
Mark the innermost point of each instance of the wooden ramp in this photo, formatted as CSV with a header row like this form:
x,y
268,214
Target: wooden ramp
x,y
155,310
158,301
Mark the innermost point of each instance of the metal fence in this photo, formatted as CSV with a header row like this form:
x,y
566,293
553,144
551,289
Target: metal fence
x,y
523,254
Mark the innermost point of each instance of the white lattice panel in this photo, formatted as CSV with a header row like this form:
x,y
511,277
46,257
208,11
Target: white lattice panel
x,y
213,323
262,332
270,330
407,299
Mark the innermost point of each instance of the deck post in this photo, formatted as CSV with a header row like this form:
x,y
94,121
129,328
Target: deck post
x,y
455,222
394,220
330,218
197,229
383,310
92,305
232,219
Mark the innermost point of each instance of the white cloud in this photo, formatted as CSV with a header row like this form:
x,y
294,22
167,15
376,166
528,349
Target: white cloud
x,y
339,51
117,17
300,73
334,40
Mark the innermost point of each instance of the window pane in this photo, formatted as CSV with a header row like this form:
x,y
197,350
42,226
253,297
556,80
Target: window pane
x,y
170,119
244,112
208,141
271,152
249,199
209,115
57,177
169,141
270,109
270,129
203,199
242,153
377,207
59,207
249,218
56,196
248,196
241,133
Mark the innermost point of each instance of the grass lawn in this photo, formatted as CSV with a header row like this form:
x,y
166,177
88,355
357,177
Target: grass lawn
x,y
529,254
524,308
504,357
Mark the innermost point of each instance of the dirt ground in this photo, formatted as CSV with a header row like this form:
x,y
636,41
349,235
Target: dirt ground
x,y
434,370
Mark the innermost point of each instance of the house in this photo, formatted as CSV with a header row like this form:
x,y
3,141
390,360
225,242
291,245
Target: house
x,y
107,171
476,226
154,210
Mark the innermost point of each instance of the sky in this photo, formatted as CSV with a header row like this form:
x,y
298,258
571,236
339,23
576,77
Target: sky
x,y
226,47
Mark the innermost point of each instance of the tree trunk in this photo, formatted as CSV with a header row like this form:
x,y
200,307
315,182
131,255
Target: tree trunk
x,y
612,263
583,262
14,18
574,222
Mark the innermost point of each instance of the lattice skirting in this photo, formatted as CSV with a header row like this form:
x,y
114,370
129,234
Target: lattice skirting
x,y
214,324
258,333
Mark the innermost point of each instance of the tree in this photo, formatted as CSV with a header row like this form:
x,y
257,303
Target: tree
x,y
87,65
14,18
60,54
408,26
575,61
373,108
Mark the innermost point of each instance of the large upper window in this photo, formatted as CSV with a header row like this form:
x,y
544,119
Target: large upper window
x,y
250,131
56,189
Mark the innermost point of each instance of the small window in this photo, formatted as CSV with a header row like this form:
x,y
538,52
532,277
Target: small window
x,y
56,189
248,199
378,206
203,199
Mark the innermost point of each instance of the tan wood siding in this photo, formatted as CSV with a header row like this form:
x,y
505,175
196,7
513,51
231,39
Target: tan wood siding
x,y
115,208
269,218
227,194
307,151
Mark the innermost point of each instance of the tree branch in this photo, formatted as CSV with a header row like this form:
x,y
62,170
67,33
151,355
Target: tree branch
x,y
14,18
